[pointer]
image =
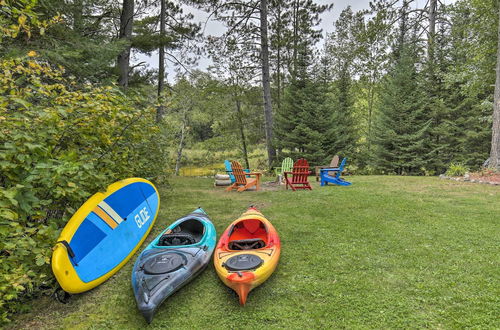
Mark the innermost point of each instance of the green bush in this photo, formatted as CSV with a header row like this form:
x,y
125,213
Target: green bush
x,y
59,144
457,169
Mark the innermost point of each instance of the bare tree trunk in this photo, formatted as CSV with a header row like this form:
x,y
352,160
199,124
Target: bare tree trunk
x,y
278,60
126,25
432,33
242,132
180,149
402,27
161,64
266,85
495,134
295,36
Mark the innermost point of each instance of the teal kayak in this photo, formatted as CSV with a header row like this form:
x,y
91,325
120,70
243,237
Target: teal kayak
x,y
171,260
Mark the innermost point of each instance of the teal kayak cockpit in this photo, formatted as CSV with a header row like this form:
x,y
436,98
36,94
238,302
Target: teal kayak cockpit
x,y
192,230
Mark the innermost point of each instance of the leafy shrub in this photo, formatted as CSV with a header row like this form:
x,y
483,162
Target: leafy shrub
x,y
60,143
427,172
457,169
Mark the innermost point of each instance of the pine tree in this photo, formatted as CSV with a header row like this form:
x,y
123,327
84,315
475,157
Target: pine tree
x,y
85,42
400,125
440,140
341,135
303,120
343,48
302,124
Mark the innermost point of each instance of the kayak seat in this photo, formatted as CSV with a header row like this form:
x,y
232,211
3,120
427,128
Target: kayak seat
x,y
246,244
186,233
242,232
252,225
176,239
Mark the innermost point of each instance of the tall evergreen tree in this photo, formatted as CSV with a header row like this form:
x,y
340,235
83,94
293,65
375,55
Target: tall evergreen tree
x,y
341,136
401,126
85,42
343,48
303,120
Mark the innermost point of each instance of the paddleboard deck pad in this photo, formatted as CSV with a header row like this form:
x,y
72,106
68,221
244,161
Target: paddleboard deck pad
x,y
104,233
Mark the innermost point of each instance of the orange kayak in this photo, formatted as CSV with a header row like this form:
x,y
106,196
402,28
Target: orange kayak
x,y
247,253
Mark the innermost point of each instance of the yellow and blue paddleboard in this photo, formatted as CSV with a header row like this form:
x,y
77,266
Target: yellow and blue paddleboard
x,y
104,233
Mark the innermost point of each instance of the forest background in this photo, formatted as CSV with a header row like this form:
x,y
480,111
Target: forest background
x,y
401,88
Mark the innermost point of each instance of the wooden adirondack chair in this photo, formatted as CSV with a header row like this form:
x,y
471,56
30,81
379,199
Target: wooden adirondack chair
x,y
333,164
243,181
286,166
328,177
298,177
229,170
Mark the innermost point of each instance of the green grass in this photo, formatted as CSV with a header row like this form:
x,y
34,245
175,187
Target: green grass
x,y
387,252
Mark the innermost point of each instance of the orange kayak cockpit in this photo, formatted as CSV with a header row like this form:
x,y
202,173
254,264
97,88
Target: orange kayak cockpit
x,y
248,234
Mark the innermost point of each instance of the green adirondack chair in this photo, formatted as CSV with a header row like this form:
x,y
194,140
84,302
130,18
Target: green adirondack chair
x,y
286,166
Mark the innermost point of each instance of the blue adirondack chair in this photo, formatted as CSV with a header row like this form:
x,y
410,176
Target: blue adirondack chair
x,y
229,170
335,178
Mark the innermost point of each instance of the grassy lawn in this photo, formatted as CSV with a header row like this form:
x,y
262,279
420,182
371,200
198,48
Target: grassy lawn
x,y
387,252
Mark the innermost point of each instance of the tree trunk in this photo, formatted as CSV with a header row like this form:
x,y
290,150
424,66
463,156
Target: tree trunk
x,y
432,33
161,64
295,37
181,144
242,132
495,134
266,85
126,24
402,27
278,60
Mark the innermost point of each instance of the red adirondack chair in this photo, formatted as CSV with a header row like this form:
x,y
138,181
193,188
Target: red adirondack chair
x,y
298,177
243,181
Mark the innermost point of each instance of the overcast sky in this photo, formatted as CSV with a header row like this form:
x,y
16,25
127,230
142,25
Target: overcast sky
x,y
215,28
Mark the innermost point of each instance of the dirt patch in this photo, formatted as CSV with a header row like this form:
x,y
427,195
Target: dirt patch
x,y
490,176
264,186
485,176
271,186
